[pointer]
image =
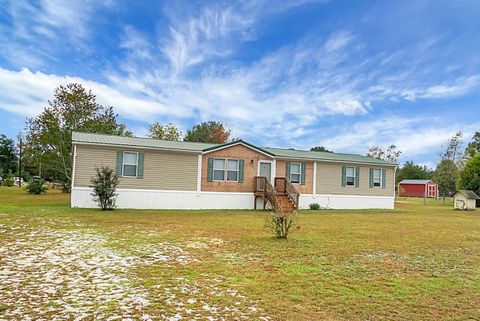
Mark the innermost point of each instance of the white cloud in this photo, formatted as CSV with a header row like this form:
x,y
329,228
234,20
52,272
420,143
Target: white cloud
x,y
38,29
27,93
413,136
290,89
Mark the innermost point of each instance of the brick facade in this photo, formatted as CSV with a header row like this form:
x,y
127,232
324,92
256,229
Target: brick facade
x,y
250,158
302,189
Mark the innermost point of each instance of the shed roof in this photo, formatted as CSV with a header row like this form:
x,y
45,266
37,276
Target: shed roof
x,y
467,194
89,138
416,181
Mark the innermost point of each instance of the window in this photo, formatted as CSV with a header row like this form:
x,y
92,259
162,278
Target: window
x,y
350,176
377,177
226,170
232,170
218,169
295,172
130,164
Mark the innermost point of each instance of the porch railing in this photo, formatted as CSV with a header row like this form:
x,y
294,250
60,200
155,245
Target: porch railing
x,y
264,187
283,185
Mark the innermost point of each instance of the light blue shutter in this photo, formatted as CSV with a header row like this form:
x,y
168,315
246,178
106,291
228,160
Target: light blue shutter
x,y
287,171
357,176
119,162
384,178
302,176
141,157
210,170
240,170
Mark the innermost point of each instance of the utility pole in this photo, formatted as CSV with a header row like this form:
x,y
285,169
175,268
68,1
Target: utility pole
x,y
20,164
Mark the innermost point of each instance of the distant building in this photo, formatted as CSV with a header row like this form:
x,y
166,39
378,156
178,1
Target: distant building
x,y
418,188
465,200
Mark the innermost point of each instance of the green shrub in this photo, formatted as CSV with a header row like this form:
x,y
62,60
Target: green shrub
x,y
104,186
314,206
35,186
8,181
66,186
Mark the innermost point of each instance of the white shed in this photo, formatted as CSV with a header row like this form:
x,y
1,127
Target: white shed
x,y
465,200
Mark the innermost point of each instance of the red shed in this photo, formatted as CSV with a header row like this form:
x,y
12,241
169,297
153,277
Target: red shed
x,y
418,188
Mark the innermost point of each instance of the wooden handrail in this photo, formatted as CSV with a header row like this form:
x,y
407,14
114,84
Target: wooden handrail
x,y
283,185
263,185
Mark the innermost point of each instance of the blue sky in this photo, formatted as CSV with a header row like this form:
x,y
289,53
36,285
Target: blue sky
x,y
342,74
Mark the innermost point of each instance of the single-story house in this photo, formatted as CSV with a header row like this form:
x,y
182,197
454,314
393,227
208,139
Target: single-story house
x,y
157,174
465,200
418,188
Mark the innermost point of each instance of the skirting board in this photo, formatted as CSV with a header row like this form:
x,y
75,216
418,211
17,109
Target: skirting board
x,y
161,199
155,199
348,201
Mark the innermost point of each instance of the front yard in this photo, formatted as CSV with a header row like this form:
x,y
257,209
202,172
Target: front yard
x,y
417,262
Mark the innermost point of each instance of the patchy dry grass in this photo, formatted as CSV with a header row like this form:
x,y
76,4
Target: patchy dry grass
x,y
417,262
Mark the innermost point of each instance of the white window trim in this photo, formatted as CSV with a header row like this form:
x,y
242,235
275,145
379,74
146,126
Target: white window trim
x,y
123,163
225,169
354,176
299,173
380,177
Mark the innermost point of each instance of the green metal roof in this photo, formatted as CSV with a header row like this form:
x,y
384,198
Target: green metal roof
x,y
338,157
89,138
138,142
240,141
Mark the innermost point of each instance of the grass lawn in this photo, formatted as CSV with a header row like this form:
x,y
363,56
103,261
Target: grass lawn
x,y
416,262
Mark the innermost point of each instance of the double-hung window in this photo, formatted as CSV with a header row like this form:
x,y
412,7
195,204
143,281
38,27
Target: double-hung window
x,y
218,169
232,170
295,172
377,177
350,176
130,164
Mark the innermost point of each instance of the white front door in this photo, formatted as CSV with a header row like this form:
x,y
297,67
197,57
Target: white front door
x,y
265,169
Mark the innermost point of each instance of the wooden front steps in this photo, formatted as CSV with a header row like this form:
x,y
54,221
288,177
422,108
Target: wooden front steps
x,y
283,197
285,203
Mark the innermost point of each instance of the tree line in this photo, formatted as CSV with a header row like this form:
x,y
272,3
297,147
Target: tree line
x,y
458,168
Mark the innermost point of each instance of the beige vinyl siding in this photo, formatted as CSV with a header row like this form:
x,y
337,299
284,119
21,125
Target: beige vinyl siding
x,y
329,181
162,170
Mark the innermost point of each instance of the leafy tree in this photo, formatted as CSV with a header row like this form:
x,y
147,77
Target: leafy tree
x,y
72,109
104,186
413,171
320,149
8,154
474,146
470,176
208,132
452,151
165,132
446,175
391,154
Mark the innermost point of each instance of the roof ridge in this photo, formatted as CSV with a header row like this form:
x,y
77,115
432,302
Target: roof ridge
x,y
146,138
312,151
